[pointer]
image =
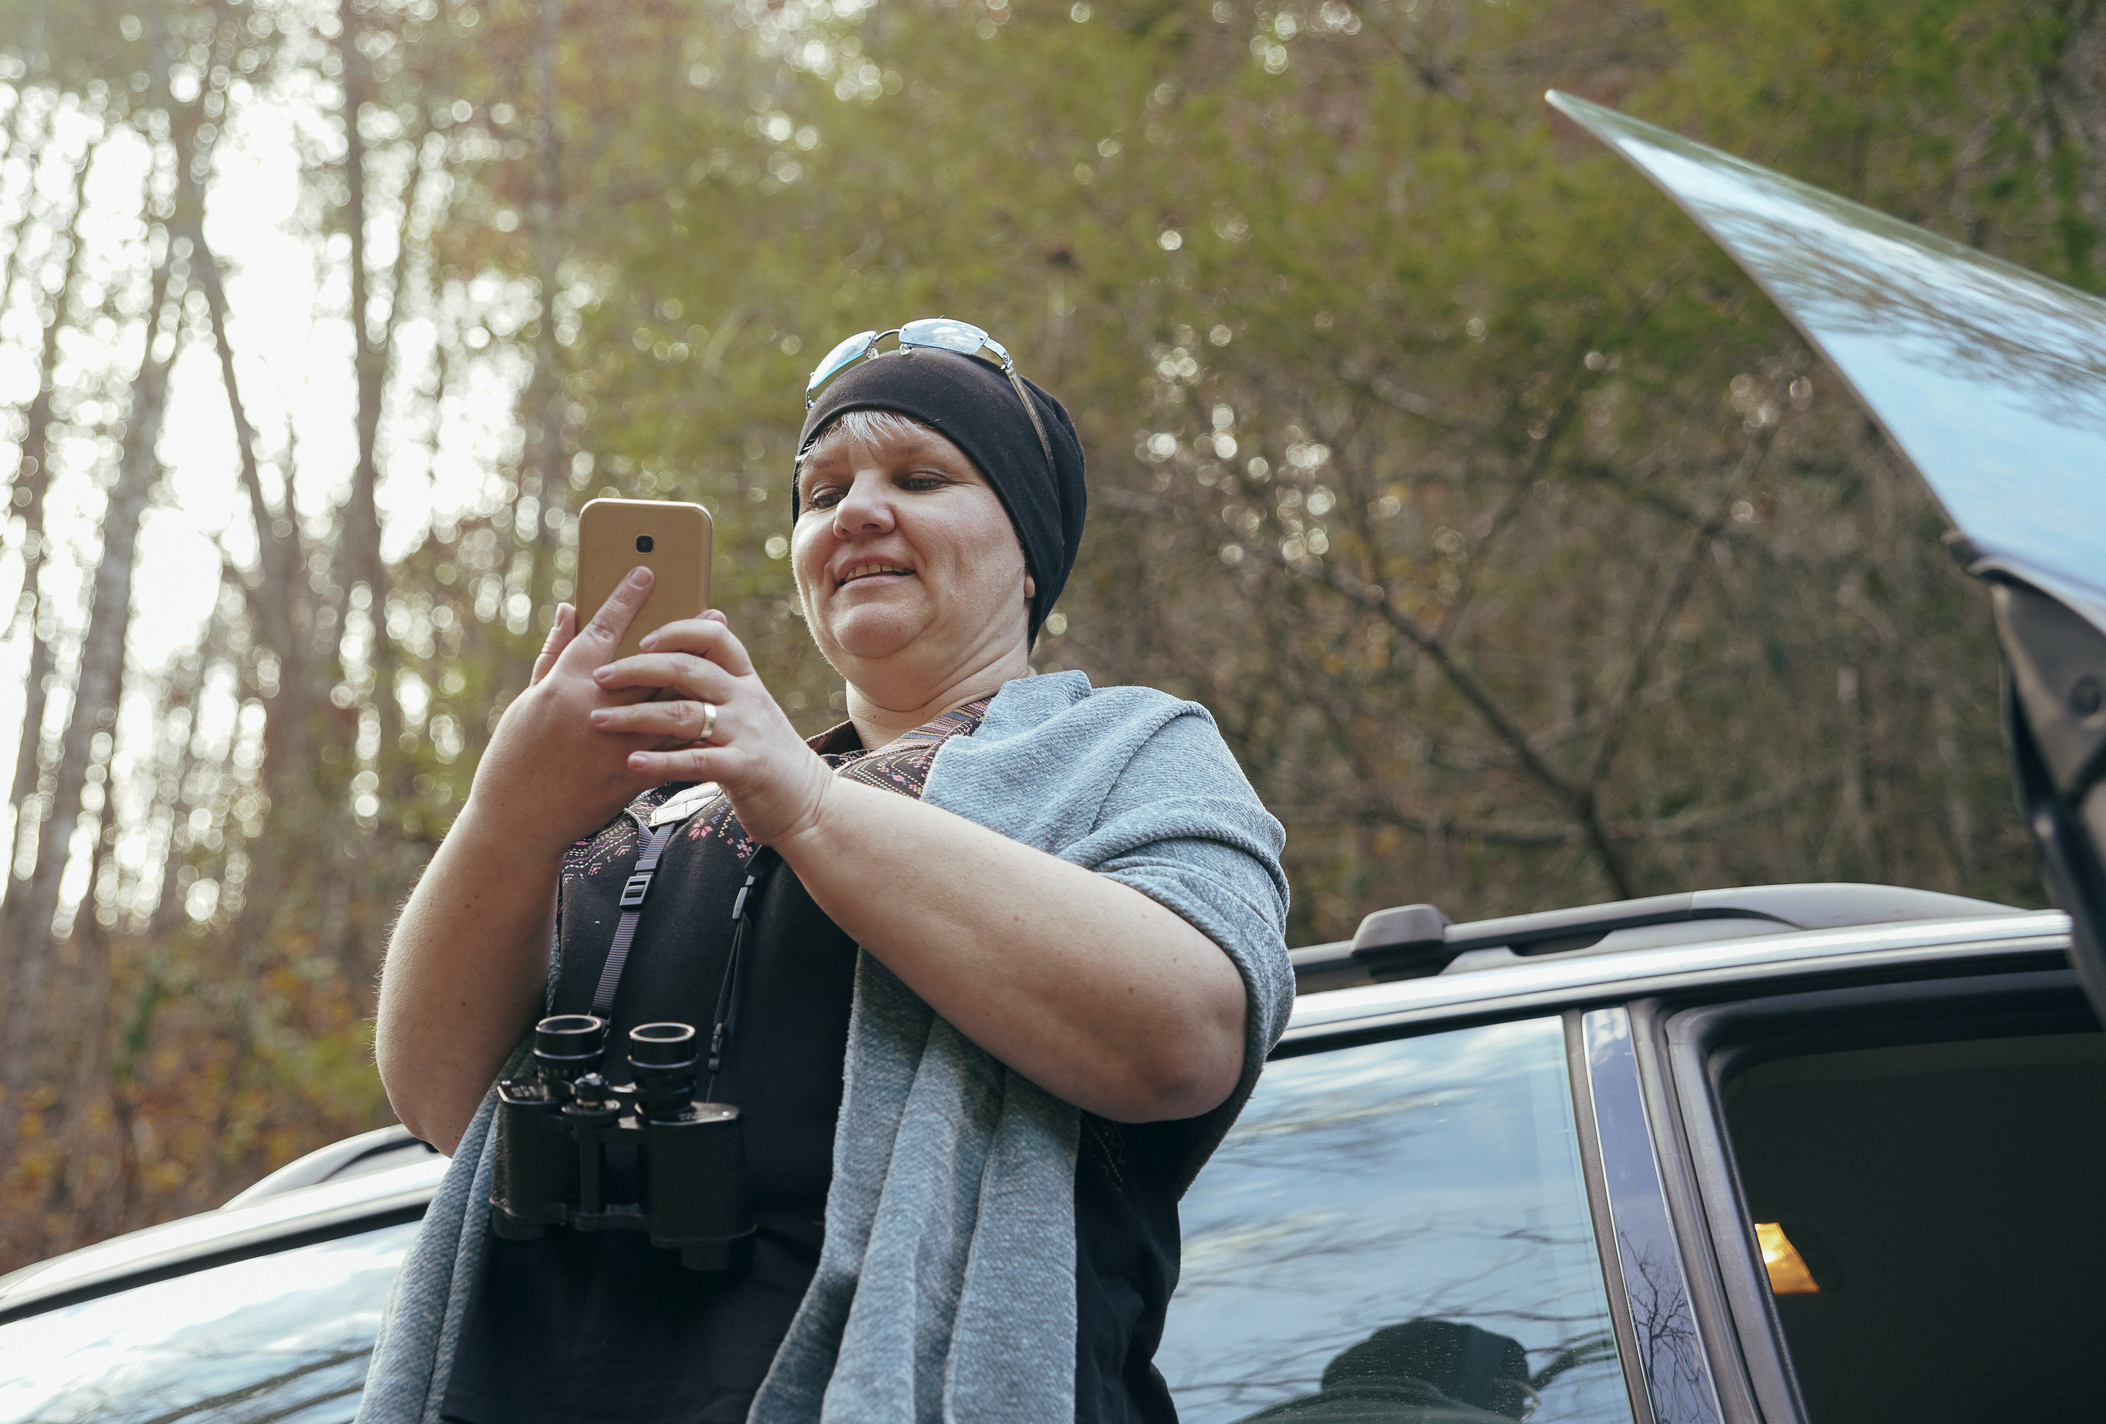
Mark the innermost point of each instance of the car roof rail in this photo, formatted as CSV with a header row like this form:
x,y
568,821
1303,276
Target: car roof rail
x,y
1412,941
375,1151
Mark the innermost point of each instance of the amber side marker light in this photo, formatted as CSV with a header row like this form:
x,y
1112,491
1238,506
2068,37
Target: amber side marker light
x,y
1787,1268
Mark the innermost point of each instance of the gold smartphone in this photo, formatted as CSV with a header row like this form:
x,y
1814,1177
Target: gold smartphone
x,y
670,539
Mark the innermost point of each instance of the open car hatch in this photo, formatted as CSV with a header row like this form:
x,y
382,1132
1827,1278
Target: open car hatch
x,y
1991,381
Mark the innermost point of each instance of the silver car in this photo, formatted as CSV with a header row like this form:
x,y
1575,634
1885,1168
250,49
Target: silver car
x,y
1826,1152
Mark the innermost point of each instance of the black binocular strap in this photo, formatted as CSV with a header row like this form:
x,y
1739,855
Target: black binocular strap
x,y
633,892
757,869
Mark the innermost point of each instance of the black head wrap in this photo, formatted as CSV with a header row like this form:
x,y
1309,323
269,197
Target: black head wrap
x,y
973,405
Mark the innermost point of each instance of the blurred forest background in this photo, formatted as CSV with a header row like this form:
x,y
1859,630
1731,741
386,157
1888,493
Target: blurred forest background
x,y
1524,554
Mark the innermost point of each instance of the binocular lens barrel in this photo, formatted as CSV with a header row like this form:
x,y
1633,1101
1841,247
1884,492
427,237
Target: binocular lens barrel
x,y
570,1039
662,1045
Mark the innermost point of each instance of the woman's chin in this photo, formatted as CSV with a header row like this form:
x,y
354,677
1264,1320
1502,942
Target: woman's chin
x,y
871,635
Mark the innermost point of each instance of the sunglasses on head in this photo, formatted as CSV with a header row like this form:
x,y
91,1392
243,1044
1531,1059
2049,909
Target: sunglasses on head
x,y
939,333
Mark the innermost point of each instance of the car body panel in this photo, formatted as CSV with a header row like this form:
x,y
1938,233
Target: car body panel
x,y
251,1223
284,1335
1649,1253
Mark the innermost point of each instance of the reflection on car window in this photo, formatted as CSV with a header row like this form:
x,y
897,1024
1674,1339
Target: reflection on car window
x,y
280,1337
1398,1233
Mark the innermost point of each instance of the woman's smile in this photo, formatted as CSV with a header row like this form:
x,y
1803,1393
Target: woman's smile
x,y
867,570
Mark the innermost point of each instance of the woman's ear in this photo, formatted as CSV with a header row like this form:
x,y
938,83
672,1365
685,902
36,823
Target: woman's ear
x,y
1030,585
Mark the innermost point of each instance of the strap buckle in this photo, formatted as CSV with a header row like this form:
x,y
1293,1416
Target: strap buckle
x,y
634,890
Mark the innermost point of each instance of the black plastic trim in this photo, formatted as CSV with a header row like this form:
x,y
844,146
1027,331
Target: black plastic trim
x,y
1417,941
1744,1393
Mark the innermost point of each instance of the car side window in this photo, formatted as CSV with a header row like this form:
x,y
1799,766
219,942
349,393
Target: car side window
x,y
281,1336
1398,1231
1929,1216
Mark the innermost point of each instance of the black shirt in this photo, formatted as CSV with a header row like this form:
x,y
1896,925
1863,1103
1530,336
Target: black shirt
x,y
579,1326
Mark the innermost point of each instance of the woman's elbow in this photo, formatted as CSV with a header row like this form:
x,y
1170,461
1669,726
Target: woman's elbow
x,y
416,1106
1166,1095
1183,1074
429,1122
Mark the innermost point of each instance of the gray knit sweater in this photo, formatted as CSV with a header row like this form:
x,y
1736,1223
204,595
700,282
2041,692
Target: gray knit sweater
x,y
946,1285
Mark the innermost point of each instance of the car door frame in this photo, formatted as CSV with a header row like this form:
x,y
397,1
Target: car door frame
x,y
1682,1046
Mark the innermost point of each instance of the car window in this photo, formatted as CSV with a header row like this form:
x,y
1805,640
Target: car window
x,y
1929,1215
1398,1232
281,1337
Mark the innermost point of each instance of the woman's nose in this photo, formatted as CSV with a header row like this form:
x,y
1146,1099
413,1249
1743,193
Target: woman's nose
x,y
863,509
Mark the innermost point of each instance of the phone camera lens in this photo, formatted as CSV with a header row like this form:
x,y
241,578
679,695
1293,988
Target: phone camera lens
x,y
643,543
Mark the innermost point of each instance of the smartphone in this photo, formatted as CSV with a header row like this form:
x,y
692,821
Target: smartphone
x,y
670,539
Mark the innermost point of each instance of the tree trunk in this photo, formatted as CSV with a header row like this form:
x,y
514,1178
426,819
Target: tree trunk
x,y
25,920
19,135
360,549
543,476
32,483
282,606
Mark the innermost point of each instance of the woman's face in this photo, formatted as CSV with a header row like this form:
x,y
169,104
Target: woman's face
x,y
908,567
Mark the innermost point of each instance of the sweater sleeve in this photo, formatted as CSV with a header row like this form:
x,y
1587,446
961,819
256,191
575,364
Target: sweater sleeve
x,y
1182,825
1138,785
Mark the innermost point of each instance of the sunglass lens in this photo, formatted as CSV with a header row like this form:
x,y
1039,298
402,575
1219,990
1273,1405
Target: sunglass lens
x,y
945,334
842,355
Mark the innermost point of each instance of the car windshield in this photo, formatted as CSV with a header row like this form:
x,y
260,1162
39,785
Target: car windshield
x,y
1398,1231
280,1337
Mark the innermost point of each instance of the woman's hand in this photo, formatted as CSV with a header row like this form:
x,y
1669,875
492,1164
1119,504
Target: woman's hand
x,y
776,783
550,773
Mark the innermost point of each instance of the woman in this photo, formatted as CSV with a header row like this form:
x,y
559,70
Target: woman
x,y
1013,971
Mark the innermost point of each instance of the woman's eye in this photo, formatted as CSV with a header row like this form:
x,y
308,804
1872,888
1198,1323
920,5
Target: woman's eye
x,y
823,498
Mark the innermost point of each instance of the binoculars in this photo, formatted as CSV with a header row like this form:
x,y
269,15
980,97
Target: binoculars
x,y
557,1129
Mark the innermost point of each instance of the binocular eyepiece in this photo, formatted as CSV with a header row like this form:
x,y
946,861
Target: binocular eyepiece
x,y
575,1150
566,1046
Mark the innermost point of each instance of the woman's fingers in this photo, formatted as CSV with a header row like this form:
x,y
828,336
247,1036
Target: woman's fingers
x,y
596,641
683,764
560,633
706,637
671,723
681,674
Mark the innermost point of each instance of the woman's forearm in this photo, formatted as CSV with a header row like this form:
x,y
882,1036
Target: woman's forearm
x,y
1084,985
466,970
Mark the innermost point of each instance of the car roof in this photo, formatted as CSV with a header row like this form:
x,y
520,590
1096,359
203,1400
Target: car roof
x,y
1695,962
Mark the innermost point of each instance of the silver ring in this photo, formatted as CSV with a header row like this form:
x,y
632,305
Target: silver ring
x,y
709,722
